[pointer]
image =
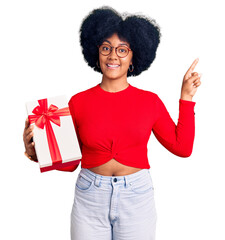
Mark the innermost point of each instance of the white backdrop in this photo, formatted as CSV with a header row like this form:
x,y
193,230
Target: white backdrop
x,y
40,57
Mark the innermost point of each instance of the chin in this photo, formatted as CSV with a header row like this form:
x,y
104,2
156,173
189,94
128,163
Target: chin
x,y
115,76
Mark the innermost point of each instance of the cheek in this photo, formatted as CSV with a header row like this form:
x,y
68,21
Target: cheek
x,y
126,63
101,61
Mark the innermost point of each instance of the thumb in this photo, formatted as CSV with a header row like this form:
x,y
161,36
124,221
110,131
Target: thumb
x,y
194,74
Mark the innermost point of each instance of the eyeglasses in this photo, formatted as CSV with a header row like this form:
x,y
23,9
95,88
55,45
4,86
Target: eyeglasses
x,y
121,51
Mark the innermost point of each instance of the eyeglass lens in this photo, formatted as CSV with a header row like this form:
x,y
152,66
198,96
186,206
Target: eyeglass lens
x,y
121,51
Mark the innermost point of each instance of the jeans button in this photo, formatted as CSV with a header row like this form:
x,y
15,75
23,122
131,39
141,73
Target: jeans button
x,y
115,180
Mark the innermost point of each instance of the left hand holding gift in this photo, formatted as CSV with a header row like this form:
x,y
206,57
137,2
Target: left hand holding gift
x,y
190,82
28,141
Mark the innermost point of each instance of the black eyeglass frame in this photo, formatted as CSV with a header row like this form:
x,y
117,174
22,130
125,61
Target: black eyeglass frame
x,y
111,48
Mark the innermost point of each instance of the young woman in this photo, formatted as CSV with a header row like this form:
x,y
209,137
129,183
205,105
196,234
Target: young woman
x,y
114,193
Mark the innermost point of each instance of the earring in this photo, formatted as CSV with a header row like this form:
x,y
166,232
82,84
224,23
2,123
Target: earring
x,y
97,64
132,68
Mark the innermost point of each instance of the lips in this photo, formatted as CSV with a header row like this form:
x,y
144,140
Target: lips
x,y
112,66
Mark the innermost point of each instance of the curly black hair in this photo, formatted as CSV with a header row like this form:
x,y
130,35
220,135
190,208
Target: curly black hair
x,y
139,31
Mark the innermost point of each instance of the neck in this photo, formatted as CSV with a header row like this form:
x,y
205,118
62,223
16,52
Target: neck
x,y
114,85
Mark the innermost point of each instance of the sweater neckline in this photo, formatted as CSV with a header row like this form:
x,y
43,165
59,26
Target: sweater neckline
x,y
127,89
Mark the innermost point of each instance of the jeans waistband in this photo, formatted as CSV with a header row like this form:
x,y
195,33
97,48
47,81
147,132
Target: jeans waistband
x,y
141,174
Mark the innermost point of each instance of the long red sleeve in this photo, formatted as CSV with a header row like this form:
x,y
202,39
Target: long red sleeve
x,y
178,139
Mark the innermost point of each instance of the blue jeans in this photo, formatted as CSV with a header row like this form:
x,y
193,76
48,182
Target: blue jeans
x,y
113,207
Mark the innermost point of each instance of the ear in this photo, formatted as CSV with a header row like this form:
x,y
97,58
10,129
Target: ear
x,y
131,61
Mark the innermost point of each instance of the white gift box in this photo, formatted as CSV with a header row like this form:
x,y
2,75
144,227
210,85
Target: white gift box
x,y
56,142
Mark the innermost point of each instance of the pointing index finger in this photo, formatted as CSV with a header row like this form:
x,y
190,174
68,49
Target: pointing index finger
x,y
191,69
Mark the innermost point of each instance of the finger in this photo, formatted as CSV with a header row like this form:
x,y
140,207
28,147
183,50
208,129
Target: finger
x,y
27,123
198,84
34,160
30,151
32,157
30,146
197,80
193,78
191,69
28,130
194,74
28,138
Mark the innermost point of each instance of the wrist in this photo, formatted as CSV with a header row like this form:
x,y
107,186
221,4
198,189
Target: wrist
x,y
186,97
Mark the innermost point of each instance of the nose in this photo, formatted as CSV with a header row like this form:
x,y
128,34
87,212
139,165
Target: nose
x,y
113,54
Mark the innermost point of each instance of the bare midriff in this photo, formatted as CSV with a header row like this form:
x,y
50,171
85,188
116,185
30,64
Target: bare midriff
x,y
114,168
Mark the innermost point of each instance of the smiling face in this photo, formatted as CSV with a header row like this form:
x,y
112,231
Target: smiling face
x,y
112,66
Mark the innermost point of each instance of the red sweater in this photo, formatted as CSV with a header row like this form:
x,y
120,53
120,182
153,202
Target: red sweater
x,y
118,125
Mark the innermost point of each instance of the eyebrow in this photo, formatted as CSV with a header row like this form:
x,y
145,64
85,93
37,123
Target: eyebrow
x,y
119,44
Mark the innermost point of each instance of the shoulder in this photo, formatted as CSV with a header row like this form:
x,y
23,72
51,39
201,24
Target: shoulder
x,y
146,93
81,95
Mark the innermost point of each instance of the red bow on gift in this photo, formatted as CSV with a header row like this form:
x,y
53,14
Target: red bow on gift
x,y
43,116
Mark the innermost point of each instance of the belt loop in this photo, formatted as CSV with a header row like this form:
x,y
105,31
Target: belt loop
x,y
98,180
126,181
85,176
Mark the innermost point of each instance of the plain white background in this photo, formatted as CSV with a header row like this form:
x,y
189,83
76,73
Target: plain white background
x,y
40,57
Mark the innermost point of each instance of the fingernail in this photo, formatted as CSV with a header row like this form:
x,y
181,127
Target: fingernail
x,y
200,74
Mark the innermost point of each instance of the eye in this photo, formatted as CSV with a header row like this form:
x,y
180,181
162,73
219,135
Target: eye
x,y
105,48
122,50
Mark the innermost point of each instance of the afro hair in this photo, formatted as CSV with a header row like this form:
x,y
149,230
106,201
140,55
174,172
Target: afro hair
x,y
141,32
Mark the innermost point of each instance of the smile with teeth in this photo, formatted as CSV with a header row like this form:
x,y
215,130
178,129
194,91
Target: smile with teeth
x,y
112,66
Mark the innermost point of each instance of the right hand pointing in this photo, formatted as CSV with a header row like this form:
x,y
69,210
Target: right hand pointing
x,y
28,141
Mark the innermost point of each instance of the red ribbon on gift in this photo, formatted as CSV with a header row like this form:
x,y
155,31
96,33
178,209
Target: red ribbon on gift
x,y
43,116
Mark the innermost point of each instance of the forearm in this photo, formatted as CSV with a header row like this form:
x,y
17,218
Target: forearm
x,y
185,129
178,139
